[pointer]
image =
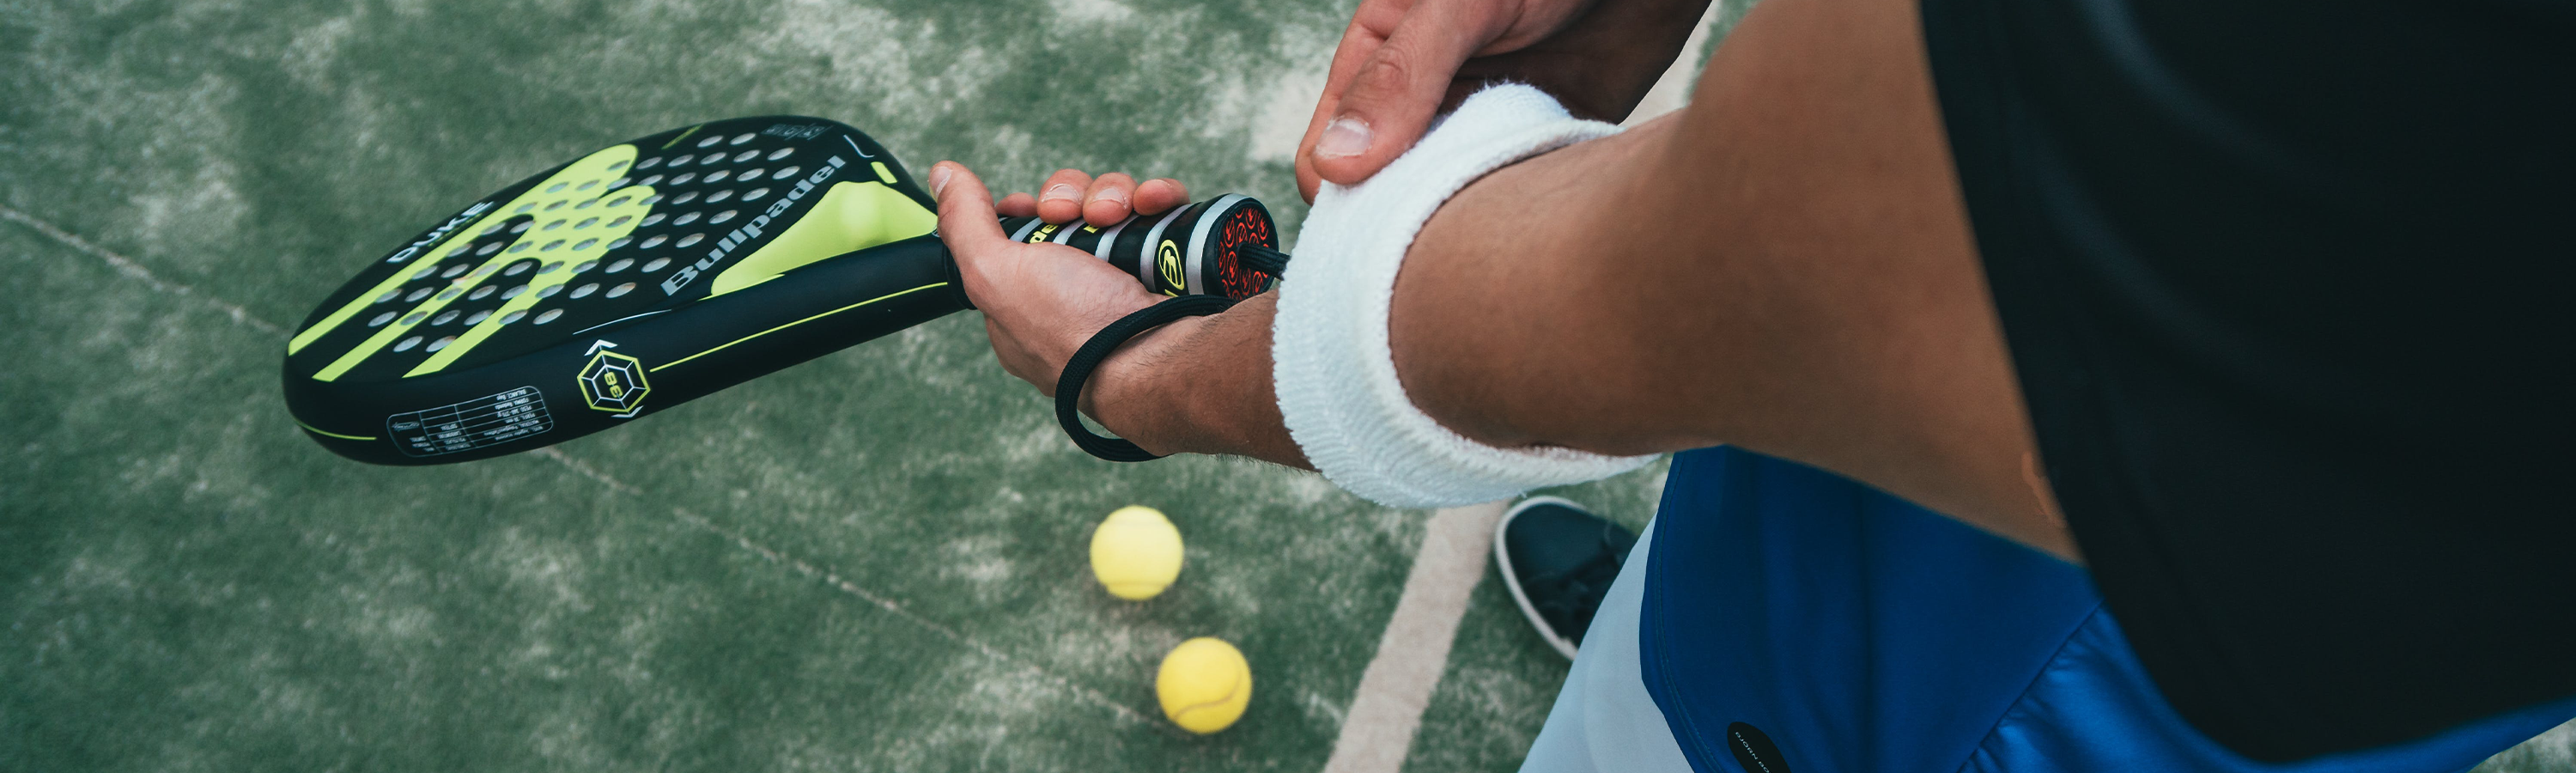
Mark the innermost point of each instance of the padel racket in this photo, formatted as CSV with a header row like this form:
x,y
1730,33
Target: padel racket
x,y
662,269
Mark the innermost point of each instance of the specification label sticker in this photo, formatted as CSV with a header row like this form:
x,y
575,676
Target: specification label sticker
x,y
472,424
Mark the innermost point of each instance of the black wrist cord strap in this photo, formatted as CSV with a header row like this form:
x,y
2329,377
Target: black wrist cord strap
x,y
1068,388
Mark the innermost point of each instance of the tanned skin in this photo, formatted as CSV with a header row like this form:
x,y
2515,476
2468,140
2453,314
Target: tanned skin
x,y
1784,266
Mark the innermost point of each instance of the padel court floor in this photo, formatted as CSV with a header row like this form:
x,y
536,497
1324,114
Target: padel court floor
x,y
875,561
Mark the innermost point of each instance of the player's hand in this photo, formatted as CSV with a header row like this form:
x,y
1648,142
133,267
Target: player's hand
x,y
1100,201
1403,61
1043,301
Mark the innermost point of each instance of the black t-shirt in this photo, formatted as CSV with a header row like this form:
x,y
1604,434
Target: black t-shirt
x,y
2288,288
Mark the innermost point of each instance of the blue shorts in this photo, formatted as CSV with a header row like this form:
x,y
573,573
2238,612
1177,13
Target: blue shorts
x,y
1780,618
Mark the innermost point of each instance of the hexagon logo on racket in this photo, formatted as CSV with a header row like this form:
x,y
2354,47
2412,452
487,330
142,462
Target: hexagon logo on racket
x,y
614,383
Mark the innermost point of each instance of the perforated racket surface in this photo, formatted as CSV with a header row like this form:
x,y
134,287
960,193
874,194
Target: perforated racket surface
x,y
659,270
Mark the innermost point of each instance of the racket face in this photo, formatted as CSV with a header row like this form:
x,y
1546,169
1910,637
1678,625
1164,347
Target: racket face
x,y
630,279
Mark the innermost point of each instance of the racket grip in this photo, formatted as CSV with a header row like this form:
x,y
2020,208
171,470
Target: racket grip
x,y
1200,249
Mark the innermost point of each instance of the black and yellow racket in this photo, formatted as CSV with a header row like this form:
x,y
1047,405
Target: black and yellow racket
x,y
661,269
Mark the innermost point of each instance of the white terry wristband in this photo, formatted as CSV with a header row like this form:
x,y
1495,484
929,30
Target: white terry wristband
x,y
1333,367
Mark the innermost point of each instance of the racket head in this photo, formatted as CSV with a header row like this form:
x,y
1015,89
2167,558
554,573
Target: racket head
x,y
624,281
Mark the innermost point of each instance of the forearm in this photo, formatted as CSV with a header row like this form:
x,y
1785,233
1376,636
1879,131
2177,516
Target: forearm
x,y
1199,385
1511,318
1786,266
1479,297
1783,264
1660,289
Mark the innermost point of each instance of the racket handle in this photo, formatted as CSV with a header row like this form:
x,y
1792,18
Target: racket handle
x,y
1222,246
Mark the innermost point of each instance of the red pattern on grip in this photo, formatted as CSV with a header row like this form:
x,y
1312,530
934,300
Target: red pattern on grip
x,y
1244,225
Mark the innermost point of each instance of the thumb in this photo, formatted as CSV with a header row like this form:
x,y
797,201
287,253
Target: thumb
x,y
1395,92
967,224
966,220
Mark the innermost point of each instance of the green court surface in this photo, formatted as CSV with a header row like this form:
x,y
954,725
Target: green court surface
x,y
874,561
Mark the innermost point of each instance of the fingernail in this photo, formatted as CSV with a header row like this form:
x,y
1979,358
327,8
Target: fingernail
x,y
1064,191
1344,137
1117,195
938,179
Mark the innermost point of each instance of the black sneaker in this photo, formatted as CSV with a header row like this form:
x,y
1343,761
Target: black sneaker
x,y
1558,559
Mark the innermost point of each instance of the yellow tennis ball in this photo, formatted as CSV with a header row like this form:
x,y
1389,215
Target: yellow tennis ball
x,y
1136,553
1204,685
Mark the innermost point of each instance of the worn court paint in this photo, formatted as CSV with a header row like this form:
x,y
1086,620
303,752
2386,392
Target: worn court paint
x,y
2552,752
174,549
539,631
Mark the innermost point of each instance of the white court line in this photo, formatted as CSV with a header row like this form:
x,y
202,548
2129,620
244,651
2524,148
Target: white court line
x,y
1672,90
1377,732
128,267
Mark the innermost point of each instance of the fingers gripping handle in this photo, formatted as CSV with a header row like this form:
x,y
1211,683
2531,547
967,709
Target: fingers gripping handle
x,y
1213,247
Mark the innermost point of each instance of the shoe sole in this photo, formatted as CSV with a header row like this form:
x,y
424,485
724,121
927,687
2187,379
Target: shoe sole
x,y
1503,561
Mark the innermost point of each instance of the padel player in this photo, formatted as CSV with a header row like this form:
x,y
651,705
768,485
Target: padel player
x,y
2105,384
